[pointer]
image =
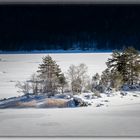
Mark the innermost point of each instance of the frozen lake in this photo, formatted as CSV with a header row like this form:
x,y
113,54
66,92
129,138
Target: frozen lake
x,y
118,117
19,67
87,121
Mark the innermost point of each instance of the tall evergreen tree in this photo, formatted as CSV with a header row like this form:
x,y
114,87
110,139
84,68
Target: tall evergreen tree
x,y
133,65
49,73
126,64
110,80
118,63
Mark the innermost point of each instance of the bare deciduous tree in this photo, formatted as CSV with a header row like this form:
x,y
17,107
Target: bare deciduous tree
x,y
78,77
23,87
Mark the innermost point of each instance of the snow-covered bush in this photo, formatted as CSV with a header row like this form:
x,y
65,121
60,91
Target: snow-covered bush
x,y
96,93
23,87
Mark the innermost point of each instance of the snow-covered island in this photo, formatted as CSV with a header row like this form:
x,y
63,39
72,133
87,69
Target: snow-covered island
x,y
68,100
84,96
50,87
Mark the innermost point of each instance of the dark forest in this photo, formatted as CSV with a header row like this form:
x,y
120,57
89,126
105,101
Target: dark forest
x,y
51,27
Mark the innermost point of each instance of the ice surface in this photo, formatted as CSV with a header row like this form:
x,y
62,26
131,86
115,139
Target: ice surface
x,y
84,121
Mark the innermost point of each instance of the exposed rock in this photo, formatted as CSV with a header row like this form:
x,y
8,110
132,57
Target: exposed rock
x,y
99,105
79,102
123,93
105,101
135,95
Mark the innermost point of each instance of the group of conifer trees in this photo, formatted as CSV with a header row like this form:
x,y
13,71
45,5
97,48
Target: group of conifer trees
x,y
123,69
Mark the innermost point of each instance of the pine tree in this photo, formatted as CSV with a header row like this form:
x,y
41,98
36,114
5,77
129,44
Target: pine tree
x,y
126,64
118,63
49,73
133,65
116,80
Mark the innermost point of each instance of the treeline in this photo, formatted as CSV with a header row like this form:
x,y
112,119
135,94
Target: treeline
x,y
40,45
77,41
62,44
123,71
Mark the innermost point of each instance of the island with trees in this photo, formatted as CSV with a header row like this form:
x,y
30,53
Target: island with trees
x,y
50,87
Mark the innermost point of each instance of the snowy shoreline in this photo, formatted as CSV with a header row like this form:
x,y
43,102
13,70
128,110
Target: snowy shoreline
x,y
70,101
